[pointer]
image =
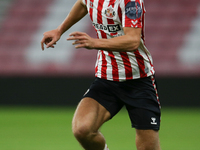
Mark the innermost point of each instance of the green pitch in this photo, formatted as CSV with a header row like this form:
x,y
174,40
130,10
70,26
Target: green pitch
x,y
49,128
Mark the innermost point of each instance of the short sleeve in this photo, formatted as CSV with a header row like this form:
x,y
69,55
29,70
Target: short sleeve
x,y
84,2
132,13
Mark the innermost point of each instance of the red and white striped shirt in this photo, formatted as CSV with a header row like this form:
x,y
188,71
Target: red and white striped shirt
x,y
108,18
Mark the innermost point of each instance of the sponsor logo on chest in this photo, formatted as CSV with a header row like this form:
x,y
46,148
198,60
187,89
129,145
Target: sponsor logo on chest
x,y
109,28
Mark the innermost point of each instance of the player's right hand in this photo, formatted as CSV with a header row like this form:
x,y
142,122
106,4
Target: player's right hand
x,y
50,38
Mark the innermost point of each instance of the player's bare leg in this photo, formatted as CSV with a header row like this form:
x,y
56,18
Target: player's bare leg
x,y
147,140
88,118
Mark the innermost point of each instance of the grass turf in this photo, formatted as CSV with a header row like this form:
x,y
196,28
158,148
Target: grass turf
x,y
49,128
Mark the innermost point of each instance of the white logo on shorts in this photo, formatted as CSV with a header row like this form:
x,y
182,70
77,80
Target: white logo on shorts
x,y
153,121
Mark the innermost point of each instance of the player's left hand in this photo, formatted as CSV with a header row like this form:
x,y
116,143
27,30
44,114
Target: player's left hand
x,y
82,40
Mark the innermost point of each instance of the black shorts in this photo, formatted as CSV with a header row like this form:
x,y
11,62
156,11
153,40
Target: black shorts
x,y
139,96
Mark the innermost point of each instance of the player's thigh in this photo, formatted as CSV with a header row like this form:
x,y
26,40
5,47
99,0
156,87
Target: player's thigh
x,y
90,115
147,139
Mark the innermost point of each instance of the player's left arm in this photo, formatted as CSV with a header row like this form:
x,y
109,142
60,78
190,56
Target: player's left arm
x,y
128,42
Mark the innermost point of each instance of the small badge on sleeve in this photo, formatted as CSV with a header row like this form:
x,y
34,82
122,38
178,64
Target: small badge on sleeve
x,y
133,10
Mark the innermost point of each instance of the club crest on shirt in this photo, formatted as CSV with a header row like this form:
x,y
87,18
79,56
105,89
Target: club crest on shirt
x,y
109,12
133,10
91,4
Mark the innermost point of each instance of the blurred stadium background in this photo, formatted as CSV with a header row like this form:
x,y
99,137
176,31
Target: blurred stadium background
x,y
58,77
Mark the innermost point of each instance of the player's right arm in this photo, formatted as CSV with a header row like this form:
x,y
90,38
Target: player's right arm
x,y
77,12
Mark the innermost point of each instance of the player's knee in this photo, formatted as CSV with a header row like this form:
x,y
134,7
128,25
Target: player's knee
x,y
147,146
82,132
